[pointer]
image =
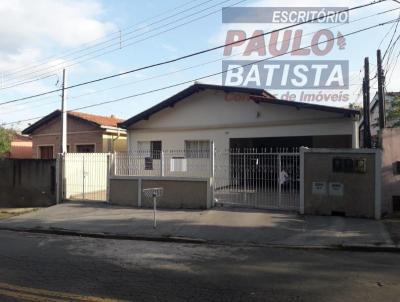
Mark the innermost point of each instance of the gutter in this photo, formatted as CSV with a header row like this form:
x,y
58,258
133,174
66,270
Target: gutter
x,y
111,129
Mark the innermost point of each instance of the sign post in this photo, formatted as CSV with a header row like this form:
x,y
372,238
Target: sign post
x,y
154,193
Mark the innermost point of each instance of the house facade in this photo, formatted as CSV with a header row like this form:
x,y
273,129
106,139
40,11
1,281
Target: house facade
x,y
86,133
391,170
238,118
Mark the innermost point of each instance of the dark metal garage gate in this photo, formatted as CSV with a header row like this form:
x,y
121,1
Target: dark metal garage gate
x,y
263,178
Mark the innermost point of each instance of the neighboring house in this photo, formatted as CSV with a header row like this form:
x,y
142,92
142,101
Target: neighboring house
x,y
374,111
391,170
86,133
374,115
240,118
21,146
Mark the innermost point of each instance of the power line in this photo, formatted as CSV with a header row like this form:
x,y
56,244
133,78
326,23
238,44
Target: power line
x,y
225,71
391,67
217,73
118,46
391,40
203,63
89,44
113,50
192,54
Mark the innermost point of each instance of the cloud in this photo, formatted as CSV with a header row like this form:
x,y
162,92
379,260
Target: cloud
x,y
67,23
30,30
37,33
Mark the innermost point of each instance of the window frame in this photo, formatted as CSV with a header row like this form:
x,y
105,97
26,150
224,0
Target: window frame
x,y
199,152
148,147
86,144
39,153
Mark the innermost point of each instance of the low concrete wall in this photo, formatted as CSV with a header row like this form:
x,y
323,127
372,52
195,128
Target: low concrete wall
x,y
27,182
179,193
327,191
390,179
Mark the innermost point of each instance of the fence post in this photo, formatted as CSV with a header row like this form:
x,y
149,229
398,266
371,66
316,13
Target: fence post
x,y
83,176
109,165
162,164
245,175
212,172
302,150
59,178
114,163
139,192
279,180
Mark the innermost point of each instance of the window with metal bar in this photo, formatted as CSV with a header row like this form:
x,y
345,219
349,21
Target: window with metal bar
x,y
197,148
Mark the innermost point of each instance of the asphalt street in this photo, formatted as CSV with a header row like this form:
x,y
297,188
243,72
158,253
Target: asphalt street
x,y
38,267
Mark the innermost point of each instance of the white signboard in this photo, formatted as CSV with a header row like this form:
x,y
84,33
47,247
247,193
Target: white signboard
x,y
336,189
319,187
178,165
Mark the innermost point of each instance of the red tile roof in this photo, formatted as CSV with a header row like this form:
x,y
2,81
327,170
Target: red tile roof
x,y
99,120
110,121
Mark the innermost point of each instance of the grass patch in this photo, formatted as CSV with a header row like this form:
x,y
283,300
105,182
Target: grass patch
x,y
9,212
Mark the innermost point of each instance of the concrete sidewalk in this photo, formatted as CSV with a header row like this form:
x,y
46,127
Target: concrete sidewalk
x,y
219,225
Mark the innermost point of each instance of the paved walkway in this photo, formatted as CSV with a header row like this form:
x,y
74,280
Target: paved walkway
x,y
224,225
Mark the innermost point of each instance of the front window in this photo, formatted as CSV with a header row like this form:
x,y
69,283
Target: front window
x,y
152,148
197,149
46,152
85,148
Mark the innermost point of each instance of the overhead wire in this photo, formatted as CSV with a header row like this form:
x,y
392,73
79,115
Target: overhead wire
x,y
216,73
189,55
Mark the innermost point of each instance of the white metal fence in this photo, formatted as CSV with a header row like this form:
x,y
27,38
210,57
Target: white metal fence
x,y
254,178
163,163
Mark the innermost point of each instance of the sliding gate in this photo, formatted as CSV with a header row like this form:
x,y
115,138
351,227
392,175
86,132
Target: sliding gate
x,y
258,179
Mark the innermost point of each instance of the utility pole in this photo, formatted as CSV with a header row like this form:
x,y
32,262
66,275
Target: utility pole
x,y
366,99
63,116
381,91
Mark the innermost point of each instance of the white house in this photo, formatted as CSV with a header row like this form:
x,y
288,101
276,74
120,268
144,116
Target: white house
x,y
237,117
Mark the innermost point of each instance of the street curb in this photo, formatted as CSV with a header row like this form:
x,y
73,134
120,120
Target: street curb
x,y
177,239
64,232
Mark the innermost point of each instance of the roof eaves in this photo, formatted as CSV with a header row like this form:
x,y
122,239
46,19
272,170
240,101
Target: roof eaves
x,y
52,115
300,105
40,122
170,102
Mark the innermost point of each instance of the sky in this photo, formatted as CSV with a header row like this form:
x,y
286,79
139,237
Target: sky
x,y
39,38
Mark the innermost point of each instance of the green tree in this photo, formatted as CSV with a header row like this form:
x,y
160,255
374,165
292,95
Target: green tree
x,y
393,114
5,140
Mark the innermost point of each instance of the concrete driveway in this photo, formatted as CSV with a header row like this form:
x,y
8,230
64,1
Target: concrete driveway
x,y
221,225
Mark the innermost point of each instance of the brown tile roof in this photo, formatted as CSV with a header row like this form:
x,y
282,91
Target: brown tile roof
x,y
101,120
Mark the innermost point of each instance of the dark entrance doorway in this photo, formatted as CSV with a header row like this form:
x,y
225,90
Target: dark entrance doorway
x,y
289,143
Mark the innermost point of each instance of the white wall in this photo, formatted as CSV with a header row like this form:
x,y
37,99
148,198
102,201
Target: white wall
x,y
208,115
